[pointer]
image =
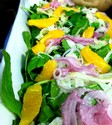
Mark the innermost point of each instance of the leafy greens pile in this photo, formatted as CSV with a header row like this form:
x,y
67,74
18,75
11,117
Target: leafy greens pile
x,y
79,39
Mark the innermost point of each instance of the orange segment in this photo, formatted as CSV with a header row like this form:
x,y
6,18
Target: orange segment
x,y
88,33
104,17
52,34
31,104
39,47
58,11
109,32
47,5
94,58
47,71
42,23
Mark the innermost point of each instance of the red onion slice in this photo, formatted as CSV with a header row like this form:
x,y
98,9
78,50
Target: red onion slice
x,y
98,114
75,39
54,4
73,65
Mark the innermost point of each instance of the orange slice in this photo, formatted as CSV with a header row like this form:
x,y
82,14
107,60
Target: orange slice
x,y
42,23
58,11
88,33
93,58
104,17
47,71
47,5
39,47
31,104
109,32
52,34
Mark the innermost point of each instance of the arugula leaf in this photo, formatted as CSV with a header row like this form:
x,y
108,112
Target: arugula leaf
x,y
7,92
106,37
36,63
30,39
110,60
34,8
56,98
95,24
34,32
34,16
46,113
74,18
69,13
29,55
52,100
103,51
27,39
16,121
77,22
93,102
38,16
77,53
81,24
65,45
59,51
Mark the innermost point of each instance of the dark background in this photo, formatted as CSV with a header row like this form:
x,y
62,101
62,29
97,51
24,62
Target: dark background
x,y
8,10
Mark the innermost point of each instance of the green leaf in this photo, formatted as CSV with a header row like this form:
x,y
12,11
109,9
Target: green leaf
x,y
16,121
106,37
7,93
34,8
74,18
52,100
54,89
93,102
46,113
77,53
65,45
110,60
34,16
29,55
38,16
27,39
69,13
56,98
103,51
34,32
36,63
95,24
81,24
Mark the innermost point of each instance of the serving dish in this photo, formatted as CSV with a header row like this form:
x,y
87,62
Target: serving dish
x,y
16,48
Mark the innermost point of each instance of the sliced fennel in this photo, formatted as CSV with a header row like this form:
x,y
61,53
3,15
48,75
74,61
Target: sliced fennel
x,y
77,79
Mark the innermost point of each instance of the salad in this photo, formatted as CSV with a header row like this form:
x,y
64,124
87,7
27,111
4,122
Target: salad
x,y
67,67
